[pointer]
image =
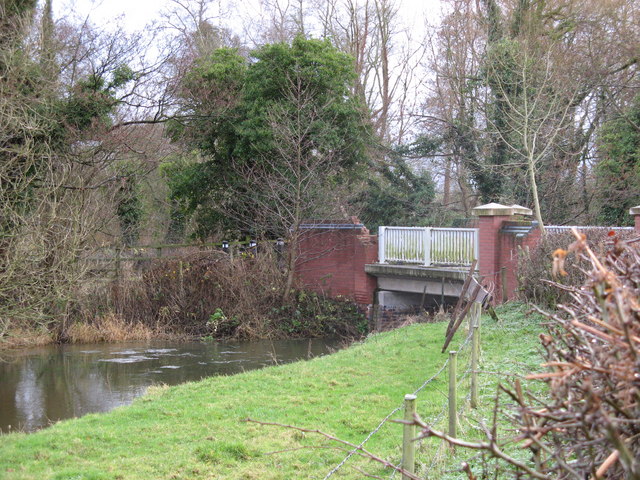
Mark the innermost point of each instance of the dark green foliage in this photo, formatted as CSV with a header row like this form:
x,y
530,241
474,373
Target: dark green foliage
x,y
618,172
327,75
313,315
488,171
129,207
495,182
210,93
398,195
227,115
92,99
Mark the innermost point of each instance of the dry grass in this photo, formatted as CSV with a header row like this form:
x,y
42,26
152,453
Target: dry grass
x,y
107,328
22,337
211,294
110,328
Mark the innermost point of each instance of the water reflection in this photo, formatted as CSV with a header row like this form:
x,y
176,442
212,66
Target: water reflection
x,y
43,385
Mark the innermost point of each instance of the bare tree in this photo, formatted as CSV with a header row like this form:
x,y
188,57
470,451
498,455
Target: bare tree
x,y
538,105
300,182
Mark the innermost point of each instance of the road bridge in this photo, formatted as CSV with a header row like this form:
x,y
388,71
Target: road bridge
x,y
416,266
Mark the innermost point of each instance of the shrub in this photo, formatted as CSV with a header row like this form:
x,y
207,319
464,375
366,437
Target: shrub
x,y
212,295
534,266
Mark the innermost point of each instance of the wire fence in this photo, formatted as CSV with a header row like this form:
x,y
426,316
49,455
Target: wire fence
x,y
474,321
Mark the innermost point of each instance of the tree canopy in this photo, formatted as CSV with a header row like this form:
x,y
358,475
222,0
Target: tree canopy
x,y
618,172
234,112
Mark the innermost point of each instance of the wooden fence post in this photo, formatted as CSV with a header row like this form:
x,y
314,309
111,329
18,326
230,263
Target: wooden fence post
x,y
474,365
377,318
453,410
408,435
503,282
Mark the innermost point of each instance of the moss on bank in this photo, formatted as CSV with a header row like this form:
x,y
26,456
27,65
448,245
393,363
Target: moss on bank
x,y
198,430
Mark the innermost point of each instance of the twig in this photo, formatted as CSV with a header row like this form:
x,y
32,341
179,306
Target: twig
x,y
490,447
611,459
359,470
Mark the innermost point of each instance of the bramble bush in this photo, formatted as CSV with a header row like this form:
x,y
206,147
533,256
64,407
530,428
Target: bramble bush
x,y
212,295
535,266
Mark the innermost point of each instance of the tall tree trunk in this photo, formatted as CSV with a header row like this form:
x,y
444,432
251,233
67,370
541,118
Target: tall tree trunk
x,y
446,194
534,191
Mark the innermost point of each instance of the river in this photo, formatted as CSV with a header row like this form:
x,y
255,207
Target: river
x,y
43,385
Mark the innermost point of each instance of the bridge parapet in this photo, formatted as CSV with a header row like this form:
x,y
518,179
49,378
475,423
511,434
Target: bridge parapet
x,y
635,213
428,246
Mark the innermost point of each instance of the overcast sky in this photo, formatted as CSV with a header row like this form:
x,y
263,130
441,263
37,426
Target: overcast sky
x,y
138,13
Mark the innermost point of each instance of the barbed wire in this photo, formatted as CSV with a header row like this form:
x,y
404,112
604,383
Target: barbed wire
x,y
397,409
385,420
436,456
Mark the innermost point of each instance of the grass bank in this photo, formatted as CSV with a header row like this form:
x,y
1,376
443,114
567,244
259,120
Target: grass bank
x,y
198,430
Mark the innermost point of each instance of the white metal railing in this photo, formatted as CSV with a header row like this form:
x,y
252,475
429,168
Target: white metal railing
x,y
566,228
427,246
454,246
404,244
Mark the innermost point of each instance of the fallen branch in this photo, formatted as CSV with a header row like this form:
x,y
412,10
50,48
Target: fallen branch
x,y
491,447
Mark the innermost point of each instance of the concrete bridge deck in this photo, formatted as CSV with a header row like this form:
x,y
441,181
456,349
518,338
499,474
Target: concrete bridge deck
x,y
403,286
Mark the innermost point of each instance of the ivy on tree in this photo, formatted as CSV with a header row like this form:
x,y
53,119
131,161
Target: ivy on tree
x,y
234,111
618,172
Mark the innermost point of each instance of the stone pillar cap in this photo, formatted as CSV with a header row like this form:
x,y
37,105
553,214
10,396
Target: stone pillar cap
x,y
497,210
634,210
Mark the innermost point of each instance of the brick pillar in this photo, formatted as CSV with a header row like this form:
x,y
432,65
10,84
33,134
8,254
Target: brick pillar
x,y
365,252
493,254
635,213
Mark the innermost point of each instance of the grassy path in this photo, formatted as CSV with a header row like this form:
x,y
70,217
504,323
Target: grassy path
x,y
197,430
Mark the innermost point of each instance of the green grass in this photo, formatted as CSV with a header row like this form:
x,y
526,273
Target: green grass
x,y
198,430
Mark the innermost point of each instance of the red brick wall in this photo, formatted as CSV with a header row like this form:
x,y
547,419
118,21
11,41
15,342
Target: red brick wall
x,y
500,250
637,218
490,254
331,261
509,247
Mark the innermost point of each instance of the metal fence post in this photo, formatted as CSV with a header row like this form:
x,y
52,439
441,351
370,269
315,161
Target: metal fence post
x,y
381,240
453,410
427,246
408,435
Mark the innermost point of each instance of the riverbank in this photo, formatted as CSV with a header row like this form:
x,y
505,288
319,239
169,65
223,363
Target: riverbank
x,y
205,295
198,430
106,329
308,316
